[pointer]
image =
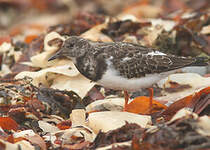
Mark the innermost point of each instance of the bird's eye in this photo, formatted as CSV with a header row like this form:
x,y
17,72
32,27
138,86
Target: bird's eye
x,y
70,45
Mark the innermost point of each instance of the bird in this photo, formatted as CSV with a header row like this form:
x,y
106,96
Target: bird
x,y
122,65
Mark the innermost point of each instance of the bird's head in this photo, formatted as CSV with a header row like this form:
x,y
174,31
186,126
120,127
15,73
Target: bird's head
x,y
72,48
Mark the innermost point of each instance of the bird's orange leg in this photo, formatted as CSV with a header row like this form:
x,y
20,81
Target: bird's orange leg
x,y
151,94
126,96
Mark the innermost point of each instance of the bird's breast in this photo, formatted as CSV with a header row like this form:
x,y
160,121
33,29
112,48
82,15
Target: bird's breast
x,y
111,79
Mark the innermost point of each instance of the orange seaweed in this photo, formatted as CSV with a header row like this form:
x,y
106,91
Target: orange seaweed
x,y
8,123
64,125
187,101
5,39
141,105
30,38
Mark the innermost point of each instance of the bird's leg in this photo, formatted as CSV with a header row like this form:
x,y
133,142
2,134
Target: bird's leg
x,y
151,94
126,96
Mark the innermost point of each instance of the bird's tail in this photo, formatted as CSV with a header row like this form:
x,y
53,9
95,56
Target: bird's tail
x,y
201,61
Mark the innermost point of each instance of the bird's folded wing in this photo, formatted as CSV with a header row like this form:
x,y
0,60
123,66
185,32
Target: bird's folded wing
x,y
140,65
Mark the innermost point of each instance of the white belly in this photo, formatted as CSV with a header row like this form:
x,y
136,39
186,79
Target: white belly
x,y
112,80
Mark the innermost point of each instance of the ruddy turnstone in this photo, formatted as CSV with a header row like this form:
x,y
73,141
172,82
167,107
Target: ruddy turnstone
x,y
121,65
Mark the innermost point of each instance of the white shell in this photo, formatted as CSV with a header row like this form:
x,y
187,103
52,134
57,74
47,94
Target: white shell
x,y
110,120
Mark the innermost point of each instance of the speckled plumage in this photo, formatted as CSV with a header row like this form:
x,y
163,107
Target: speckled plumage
x,y
106,62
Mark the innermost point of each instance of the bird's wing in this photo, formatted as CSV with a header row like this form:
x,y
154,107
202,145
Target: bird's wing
x,y
136,65
133,61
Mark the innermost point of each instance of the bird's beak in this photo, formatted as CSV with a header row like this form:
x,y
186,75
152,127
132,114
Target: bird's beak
x,y
56,55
